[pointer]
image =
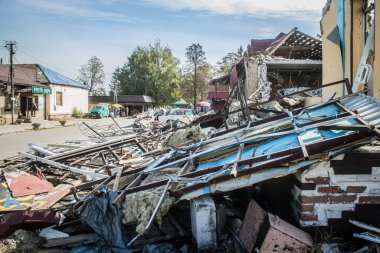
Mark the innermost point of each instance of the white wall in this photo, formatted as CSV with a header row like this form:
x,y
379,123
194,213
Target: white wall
x,y
71,97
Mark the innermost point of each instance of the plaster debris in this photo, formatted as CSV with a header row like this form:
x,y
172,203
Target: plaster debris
x,y
139,206
20,241
160,175
181,137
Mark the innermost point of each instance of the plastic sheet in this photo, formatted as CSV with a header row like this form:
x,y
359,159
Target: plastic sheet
x,y
105,218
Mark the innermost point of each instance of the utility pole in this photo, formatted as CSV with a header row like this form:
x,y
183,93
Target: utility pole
x,y
11,46
116,87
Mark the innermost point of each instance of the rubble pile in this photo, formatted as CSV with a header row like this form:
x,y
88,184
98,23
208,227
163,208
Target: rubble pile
x,y
119,195
21,241
138,208
183,136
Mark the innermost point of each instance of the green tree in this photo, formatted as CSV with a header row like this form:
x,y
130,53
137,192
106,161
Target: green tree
x,y
92,74
195,60
151,71
224,66
186,86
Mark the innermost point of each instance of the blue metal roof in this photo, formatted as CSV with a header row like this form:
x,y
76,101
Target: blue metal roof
x,y
56,78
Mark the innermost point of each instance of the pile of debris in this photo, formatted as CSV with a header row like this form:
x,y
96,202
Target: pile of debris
x,y
118,195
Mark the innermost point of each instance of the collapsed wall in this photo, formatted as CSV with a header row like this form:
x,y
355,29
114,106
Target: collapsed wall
x,y
332,192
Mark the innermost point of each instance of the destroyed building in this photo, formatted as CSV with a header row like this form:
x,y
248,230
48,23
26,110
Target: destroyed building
x,y
272,68
289,63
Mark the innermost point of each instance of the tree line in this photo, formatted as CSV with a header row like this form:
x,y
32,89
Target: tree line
x,y
154,71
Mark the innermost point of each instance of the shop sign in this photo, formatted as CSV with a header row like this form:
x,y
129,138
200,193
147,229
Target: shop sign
x,y
41,90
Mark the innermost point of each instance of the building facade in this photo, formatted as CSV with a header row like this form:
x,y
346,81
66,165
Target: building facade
x,y
40,93
345,29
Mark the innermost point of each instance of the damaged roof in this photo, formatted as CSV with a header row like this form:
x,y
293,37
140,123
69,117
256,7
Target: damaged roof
x,y
293,45
246,156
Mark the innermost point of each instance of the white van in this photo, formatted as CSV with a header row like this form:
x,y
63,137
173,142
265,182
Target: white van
x,y
177,114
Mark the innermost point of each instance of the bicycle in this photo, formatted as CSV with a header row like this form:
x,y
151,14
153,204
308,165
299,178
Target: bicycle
x,y
2,120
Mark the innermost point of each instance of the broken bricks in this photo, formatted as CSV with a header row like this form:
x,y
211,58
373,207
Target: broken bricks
x,y
269,233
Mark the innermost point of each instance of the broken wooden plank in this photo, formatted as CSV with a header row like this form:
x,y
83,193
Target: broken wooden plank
x,y
346,128
62,166
117,179
238,157
49,199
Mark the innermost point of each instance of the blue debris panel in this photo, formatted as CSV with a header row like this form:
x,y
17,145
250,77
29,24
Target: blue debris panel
x,y
289,141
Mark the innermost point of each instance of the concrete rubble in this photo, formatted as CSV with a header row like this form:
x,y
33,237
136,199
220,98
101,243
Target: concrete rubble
x,y
202,186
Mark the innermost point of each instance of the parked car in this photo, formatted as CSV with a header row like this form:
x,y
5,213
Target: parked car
x,y
177,114
100,111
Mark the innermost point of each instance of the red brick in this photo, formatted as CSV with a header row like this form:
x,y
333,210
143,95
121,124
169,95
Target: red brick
x,y
369,199
307,208
342,198
309,217
318,180
314,199
329,189
356,189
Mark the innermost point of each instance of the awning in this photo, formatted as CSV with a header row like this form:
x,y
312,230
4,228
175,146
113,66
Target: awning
x,y
181,102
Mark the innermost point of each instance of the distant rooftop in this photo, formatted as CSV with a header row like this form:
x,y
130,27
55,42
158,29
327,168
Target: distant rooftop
x,y
57,78
36,74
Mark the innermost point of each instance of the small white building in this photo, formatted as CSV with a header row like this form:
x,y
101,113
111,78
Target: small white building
x,y
66,94
41,93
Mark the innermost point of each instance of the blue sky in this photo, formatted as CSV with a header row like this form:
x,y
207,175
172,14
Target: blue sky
x,y
64,34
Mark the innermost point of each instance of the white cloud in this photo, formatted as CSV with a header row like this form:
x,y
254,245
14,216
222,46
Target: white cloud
x,y
300,9
79,9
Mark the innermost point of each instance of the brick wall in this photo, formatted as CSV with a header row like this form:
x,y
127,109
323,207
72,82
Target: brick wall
x,y
347,187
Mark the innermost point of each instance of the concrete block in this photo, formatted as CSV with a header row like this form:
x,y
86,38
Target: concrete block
x,y
254,219
203,223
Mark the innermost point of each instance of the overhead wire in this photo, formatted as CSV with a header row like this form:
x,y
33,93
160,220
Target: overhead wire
x,y
5,55
48,64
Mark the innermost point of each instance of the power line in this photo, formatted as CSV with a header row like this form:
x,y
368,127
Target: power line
x,y
48,64
4,55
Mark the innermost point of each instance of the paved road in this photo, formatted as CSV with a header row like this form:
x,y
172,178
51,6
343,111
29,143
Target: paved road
x,y
10,144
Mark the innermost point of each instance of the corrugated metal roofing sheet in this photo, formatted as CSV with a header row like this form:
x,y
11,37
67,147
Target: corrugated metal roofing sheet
x,y
368,108
56,78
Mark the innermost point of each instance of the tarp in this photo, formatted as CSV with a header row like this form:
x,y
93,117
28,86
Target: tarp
x,y
97,245
105,218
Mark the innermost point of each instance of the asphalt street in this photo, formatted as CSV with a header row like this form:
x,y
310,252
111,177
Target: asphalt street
x,y
11,144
